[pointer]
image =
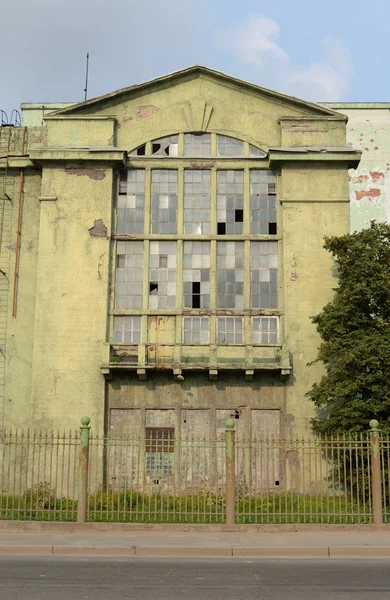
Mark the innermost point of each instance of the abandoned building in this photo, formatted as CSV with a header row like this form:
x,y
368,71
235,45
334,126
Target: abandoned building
x,y
162,254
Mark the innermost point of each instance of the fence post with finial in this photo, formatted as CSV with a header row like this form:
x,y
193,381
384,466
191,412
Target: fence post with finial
x,y
82,504
230,471
376,487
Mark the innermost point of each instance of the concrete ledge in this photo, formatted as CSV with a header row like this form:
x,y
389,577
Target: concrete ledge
x,y
286,552
180,551
359,551
26,550
94,550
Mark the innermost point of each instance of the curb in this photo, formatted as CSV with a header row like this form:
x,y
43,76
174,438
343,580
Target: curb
x,y
217,552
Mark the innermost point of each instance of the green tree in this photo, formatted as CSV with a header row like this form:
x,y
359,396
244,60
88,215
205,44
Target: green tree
x,y
355,332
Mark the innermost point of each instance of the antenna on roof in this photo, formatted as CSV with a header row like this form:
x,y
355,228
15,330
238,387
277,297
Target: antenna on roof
x,y
86,78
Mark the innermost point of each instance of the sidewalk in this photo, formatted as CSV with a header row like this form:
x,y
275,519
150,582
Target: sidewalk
x,y
168,541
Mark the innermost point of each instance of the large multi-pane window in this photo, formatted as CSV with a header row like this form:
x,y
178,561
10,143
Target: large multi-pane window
x,y
164,201
230,275
196,274
197,201
128,275
230,202
198,241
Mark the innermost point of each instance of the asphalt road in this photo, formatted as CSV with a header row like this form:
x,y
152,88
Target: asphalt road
x,y
72,578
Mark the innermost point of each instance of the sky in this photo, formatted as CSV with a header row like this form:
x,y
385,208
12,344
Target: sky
x,y
318,51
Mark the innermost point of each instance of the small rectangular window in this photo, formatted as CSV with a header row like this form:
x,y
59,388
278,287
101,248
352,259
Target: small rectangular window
x,y
196,330
230,330
265,330
127,330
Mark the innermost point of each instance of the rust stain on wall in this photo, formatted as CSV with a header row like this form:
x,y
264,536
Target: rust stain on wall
x,y
146,111
373,193
92,173
99,230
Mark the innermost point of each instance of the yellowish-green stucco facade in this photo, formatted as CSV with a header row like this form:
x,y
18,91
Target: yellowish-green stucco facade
x,y
62,354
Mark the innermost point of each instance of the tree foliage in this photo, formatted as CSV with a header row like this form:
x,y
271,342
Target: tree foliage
x,y
355,332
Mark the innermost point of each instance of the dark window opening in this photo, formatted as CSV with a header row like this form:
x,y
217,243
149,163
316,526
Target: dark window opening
x,y
272,228
236,414
276,482
221,228
123,182
141,151
239,215
153,287
196,301
196,287
155,148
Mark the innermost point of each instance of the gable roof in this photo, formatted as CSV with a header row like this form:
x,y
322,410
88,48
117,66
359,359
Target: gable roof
x,y
197,70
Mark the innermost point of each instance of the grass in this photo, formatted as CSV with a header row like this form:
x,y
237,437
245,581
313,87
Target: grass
x,y
40,504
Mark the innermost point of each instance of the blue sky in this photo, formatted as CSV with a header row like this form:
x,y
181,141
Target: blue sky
x,y
319,51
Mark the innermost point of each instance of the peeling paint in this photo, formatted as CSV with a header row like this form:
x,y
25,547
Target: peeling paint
x,y
377,176
146,111
127,119
373,193
92,173
99,230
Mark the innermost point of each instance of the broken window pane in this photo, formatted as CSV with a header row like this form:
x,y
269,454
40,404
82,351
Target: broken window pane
x,y
164,201
228,146
253,151
264,271
167,146
197,201
230,202
130,207
230,330
196,274
162,280
196,330
230,274
263,202
140,151
197,144
128,275
127,330
265,330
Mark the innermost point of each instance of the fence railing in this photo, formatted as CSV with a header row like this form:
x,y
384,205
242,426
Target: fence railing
x,y
161,479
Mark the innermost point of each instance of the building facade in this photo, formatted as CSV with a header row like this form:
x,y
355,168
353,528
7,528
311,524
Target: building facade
x,y
368,130
162,254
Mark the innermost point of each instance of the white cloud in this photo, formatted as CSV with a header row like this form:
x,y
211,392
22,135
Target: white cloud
x,y
255,42
327,80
